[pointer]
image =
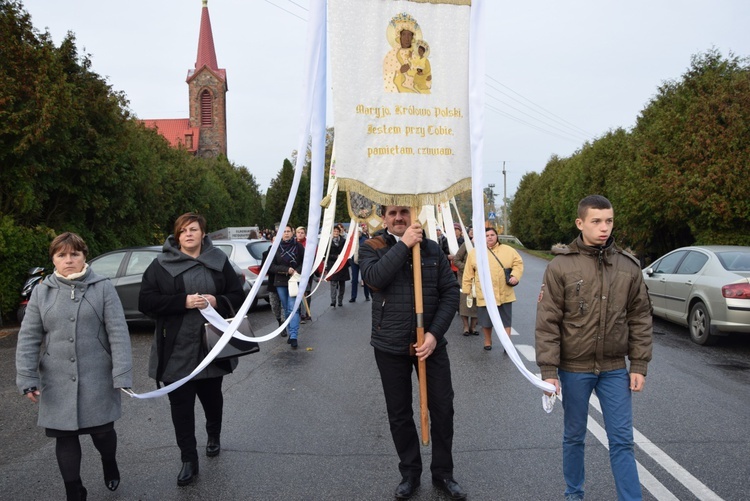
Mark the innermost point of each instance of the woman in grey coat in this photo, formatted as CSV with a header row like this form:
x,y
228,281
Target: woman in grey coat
x,y
73,356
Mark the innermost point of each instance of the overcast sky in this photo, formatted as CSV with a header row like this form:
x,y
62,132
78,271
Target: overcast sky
x,y
558,72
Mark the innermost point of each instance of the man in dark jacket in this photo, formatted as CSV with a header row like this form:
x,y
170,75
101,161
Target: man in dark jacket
x,y
592,312
386,265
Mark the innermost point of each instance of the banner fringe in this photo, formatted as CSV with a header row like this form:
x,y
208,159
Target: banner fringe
x,y
449,2
406,199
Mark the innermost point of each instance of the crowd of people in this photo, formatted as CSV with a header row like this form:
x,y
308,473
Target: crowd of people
x,y
75,370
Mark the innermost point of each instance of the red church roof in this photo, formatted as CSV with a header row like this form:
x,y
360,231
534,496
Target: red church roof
x,y
206,51
177,131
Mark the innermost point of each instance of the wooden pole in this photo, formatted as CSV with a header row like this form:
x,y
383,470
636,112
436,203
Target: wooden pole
x,y
419,310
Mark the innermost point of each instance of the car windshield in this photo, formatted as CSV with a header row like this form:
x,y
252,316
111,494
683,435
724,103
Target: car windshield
x,y
735,260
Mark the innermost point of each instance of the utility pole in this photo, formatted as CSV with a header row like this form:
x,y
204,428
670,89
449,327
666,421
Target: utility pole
x,y
505,202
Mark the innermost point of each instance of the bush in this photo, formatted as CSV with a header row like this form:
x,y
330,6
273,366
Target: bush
x,y
20,249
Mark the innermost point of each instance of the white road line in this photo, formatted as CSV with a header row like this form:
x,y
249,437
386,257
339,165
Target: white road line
x,y
698,488
660,492
527,351
647,479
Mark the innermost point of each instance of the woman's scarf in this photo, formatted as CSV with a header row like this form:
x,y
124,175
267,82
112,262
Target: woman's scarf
x,y
288,252
74,276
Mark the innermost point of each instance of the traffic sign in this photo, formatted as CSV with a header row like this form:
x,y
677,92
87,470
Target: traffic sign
x,y
492,215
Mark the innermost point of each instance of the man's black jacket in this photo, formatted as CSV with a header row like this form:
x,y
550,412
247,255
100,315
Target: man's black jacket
x,y
386,267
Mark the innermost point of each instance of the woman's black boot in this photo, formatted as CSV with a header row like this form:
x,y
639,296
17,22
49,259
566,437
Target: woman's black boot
x,y
187,473
75,491
111,474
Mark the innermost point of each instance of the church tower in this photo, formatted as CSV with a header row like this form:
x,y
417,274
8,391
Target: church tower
x,y
208,94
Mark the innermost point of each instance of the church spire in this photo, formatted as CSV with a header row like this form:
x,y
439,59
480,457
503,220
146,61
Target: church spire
x,y
206,52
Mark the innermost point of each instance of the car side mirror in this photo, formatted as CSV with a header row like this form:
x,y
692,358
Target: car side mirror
x,y
649,271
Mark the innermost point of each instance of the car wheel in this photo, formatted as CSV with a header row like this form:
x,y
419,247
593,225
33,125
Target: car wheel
x,y
699,324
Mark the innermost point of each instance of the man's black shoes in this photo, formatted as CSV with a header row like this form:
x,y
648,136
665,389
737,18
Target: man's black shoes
x,y
450,487
407,487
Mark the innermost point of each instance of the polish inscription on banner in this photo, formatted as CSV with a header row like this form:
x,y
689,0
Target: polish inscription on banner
x,y
400,94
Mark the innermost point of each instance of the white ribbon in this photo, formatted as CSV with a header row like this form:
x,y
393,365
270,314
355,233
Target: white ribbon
x,y
467,240
449,231
476,117
346,253
313,116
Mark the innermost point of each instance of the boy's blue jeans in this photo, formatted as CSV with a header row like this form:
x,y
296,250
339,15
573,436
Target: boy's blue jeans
x,y
613,390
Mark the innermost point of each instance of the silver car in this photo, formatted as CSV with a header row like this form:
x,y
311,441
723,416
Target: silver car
x,y
248,254
705,288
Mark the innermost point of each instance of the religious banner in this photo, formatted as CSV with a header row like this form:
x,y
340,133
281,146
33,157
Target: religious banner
x,y
401,98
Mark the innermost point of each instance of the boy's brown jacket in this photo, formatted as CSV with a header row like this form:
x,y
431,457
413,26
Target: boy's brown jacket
x,y
593,311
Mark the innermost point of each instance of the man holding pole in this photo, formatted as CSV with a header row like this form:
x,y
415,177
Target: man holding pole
x,y
386,265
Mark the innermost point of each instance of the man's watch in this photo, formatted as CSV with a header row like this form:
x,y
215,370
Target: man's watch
x,y
26,391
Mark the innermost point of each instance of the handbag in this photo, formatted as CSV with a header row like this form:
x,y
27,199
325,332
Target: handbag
x,y
507,271
235,347
293,284
471,295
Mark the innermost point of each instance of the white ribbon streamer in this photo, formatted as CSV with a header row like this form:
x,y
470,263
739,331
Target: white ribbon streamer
x,y
476,111
346,253
467,240
313,110
449,231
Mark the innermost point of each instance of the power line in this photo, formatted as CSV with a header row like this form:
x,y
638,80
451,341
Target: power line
x,y
572,134
285,10
537,116
298,5
508,115
588,134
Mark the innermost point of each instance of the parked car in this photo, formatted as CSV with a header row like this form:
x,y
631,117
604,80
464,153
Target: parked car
x,y
248,254
706,288
125,268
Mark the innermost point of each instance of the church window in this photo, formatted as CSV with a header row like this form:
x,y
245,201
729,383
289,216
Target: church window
x,y
206,109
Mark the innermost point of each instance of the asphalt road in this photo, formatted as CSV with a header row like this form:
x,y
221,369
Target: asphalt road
x,y
310,424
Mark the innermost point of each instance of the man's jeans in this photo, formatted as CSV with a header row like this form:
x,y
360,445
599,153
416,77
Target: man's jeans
x,y
613,390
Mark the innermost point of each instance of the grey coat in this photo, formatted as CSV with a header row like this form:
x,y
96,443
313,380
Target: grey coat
x,y
74,346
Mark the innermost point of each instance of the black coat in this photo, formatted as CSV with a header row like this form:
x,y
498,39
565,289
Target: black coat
x,y
177,349
333,255
280,269
386,267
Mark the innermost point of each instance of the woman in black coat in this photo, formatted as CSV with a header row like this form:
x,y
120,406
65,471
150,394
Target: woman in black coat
x,y
189,274
287,262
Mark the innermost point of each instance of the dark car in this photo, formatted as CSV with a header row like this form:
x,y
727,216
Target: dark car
x,y
125,268
705,288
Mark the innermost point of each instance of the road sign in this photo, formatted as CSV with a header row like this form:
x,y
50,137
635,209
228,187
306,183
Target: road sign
x,y
492,215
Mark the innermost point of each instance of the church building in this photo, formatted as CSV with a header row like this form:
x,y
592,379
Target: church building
x,y
205,132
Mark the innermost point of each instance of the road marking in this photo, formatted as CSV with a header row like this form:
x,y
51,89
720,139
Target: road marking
x,y
698,488
527,351
648,481
660,492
